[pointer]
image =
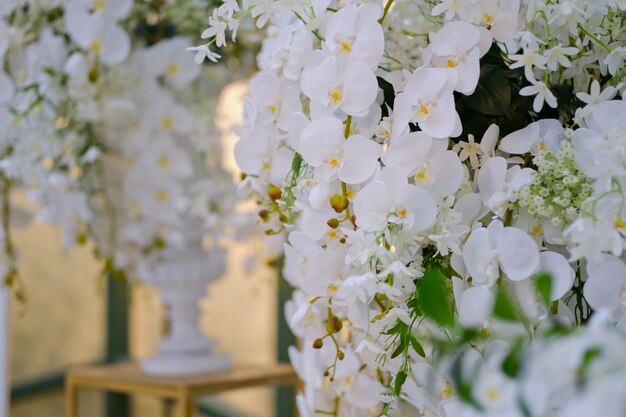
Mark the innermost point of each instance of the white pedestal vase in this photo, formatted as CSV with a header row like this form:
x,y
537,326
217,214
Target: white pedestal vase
x,y
182,278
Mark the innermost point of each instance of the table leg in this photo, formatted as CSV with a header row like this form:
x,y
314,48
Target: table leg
x,y
187,405
71,398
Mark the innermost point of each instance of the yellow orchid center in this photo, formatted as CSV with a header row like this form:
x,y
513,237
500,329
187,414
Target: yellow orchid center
x,y
168,123
335,96
445,393
99,5
424,110
163,162
451,63
536,230
163,196
493,394
172,69
96,47
619,223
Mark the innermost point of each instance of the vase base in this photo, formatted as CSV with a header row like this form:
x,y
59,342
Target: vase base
x,y
184,365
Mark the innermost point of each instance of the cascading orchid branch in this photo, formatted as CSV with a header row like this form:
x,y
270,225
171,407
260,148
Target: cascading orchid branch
x,y
445,172
101,125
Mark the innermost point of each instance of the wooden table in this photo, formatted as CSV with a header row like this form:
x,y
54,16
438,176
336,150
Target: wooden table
x,y
127,378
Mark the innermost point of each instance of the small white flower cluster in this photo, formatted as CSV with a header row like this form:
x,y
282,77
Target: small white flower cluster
x,y
558,188
360,143
102,128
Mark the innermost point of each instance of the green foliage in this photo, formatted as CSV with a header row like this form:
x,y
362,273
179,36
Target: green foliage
x,y
503,307
543,285
513,361
493,92
434,297
496,99
589,356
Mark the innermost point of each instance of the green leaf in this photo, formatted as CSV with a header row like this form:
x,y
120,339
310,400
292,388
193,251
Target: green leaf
x,y
399,327
589,356
434,297
503,308
417,347
493,93
399,382
512,363
463,386
543,285
397,351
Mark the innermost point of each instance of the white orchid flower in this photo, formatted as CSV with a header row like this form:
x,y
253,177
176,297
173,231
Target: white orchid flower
x,y
351,87
169,59
297,252
274,100
258,153
110,9
164,116
599,146
391,199
97,35
457,46
164,159
542,135
496,248
562,278
498,185
429,94
428,161
352,160
353,33
605,288
286,48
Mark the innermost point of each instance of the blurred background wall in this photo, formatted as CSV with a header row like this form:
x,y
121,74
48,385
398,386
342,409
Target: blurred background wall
x,y
64,325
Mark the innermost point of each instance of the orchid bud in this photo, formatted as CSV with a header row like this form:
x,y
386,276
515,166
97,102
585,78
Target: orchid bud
x,y
81,238
264,215
318,343
274,192
334,325
333,223
339,202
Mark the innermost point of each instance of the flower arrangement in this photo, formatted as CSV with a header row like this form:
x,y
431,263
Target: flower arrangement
x,y
103,127
449,178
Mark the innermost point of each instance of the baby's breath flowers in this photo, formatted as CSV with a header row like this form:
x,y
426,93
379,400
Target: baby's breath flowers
x,y
558,189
